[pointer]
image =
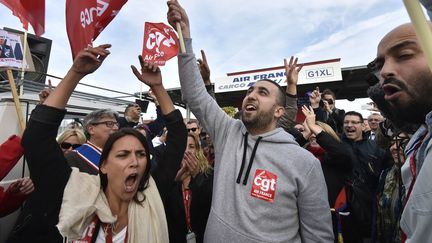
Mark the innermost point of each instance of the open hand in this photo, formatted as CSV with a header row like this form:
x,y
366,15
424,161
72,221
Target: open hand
x,y
150,73
191,162
90,59
310,120
309,114
292,70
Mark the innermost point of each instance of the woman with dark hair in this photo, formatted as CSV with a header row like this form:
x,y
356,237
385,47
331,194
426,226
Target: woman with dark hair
x,y
122,203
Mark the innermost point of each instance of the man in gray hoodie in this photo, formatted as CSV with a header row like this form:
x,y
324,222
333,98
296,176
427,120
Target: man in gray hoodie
x,y
266,188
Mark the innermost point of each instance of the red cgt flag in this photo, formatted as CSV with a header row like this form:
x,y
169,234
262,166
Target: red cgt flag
x,y
28,11
85,20
160,43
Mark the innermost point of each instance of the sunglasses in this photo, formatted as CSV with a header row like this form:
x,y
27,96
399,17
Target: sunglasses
x,y
66,145
109,124
192,129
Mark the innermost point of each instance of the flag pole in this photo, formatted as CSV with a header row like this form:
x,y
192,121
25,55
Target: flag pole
x,y
181,40
183,50
23,64
421,28
16,100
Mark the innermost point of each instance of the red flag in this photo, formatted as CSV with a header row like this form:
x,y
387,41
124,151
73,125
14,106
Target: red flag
x,y
160,43
85,20
29,11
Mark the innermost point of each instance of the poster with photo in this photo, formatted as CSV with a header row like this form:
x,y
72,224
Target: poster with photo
x,y
11,51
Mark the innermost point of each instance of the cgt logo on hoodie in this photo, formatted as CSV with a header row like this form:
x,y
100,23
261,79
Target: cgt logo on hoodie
x,y
264,185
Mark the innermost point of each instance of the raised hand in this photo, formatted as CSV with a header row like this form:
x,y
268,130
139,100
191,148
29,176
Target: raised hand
x,y
310,119
43,94
90,59
150,73
292,70
176,14
309,114
315,98
204,68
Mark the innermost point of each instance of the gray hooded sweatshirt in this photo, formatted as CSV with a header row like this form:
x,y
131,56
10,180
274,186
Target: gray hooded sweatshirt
x,y
266,188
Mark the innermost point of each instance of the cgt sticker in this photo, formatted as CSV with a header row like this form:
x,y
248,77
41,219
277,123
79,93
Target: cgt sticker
x,y
264,185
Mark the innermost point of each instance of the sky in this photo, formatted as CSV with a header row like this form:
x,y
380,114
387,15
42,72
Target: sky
x,y
237,35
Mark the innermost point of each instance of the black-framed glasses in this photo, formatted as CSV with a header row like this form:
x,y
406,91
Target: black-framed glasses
x,y
109,124
193,129
66,145
400,140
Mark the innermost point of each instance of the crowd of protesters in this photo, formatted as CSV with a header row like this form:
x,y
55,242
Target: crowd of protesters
x,y
263,177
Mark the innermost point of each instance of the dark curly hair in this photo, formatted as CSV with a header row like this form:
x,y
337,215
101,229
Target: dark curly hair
x,y
143,184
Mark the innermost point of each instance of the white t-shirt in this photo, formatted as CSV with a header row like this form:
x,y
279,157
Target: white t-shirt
x,y
118,238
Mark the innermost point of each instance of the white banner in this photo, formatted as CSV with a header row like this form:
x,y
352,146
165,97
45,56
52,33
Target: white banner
x,y
313,72
11,50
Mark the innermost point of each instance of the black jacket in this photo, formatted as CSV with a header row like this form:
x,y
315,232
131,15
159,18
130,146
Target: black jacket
x,y
201,187
369,160
50,173
337,164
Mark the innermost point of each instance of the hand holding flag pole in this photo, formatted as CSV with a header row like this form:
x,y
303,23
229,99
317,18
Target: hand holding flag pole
x,y
421,28
180,36
177,17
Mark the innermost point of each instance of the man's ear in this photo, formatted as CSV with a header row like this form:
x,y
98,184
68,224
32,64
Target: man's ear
x,y
279,111
90,129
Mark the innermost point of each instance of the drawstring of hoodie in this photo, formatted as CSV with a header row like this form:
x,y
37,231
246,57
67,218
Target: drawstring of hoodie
x,y
244,159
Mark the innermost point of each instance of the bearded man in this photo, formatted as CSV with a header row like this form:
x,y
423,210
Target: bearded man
x,y
266,187
406,81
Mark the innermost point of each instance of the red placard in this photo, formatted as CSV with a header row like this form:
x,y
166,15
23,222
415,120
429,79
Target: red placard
x,y
85,20
160,43
264,185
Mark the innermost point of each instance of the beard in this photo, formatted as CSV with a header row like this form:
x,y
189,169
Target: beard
x,y
258,121
417,104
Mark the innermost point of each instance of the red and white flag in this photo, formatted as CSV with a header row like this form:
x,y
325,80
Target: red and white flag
x,y
85,20
160,43
28,11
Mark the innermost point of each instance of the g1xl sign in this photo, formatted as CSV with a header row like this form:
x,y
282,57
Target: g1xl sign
x,y
312,72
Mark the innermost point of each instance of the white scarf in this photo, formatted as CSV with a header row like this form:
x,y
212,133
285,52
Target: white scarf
x,y
83,197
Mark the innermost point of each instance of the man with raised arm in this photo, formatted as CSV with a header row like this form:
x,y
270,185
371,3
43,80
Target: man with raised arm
x,y
266,188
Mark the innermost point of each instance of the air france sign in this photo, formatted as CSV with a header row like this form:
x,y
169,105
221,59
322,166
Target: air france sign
x,y
313,72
